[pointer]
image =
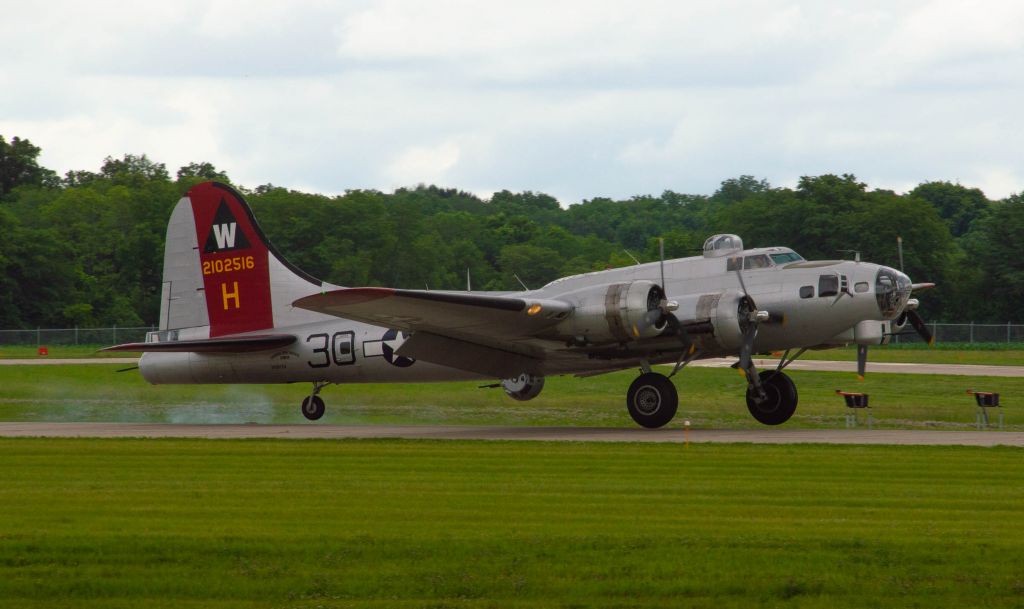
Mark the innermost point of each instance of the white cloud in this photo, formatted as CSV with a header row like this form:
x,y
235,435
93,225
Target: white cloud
x,y
426,164
579,99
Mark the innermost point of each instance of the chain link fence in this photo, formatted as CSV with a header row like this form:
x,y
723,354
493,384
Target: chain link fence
x,y
966,333
74,336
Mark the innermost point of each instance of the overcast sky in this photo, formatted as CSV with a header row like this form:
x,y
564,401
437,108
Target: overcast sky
x,y
578,99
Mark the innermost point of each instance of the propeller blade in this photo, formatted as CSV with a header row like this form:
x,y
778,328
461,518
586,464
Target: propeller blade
x,y
862,361
920,326
679,330
650,318
661,258
743,285
747,348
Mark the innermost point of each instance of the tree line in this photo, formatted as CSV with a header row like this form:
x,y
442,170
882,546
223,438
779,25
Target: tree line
x,y
86,249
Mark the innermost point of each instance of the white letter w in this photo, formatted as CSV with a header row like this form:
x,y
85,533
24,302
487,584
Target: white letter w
x,y
225,235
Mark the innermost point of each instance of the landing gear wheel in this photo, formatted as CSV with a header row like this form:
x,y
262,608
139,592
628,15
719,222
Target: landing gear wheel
x,y
780,398
313,407
652,400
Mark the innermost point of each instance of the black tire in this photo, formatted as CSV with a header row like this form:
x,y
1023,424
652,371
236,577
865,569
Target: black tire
x,y
652,400
780,401
313,407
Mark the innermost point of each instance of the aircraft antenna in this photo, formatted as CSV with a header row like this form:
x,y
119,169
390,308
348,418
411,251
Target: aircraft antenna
x,y
631,256
469,281
521,282
899,248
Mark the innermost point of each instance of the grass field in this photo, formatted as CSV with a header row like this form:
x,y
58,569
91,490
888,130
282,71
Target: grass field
x,y
171,523
708,398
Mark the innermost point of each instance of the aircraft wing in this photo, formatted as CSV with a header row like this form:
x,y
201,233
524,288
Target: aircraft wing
x,y
487,334
445,313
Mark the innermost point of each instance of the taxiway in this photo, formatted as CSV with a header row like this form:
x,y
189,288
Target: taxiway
x,y
519,433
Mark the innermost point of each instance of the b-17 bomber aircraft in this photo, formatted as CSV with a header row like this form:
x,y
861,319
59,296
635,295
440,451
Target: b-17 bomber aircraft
x,y
233,310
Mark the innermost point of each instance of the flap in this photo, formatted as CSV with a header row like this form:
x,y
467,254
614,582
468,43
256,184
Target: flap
x,y
472,357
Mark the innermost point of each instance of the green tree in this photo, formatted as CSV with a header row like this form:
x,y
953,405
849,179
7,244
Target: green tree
x,y
958,205
996,250
535,265
133,170
204,170
19,166
738,189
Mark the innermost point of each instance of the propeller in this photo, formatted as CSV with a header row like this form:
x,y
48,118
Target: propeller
x,y
750,318
662,313
909,311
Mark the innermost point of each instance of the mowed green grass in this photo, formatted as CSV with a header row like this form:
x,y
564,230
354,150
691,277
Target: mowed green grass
x,y
192,523
708,398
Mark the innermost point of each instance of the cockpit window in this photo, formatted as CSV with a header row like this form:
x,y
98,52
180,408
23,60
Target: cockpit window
x,y
757,261
787,257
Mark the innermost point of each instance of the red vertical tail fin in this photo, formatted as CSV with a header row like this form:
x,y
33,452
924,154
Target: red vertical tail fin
x,y
242,280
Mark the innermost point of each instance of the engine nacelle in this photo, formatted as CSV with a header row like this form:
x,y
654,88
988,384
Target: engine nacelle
x,y
612,313
523,387
724,312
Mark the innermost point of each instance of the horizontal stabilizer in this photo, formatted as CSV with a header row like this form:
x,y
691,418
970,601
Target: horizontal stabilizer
x,y
234,344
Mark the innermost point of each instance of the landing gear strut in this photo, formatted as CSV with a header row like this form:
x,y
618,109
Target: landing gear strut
x,y
652,400
779,399
313,406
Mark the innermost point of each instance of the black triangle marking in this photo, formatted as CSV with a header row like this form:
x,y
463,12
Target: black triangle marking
x,y
225,234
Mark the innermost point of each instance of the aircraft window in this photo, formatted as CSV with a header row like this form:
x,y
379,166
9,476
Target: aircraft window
x,y
828,285
760,261
891,291
733,263
786,258
723,242
861,286
807,291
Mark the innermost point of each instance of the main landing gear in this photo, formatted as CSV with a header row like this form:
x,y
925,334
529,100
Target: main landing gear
x,y
313,406
652,399
771,394
779,400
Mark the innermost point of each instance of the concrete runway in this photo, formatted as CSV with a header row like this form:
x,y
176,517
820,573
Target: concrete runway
x,y
550,434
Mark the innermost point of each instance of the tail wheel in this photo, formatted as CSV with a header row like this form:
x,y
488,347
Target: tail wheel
x,y
779,402
652,400
313,407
